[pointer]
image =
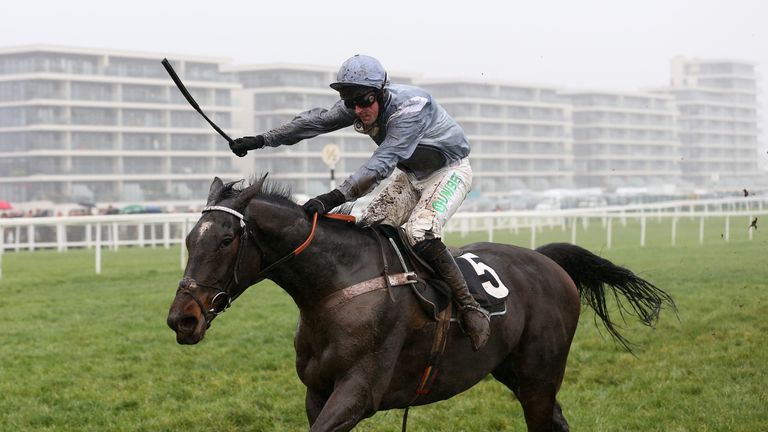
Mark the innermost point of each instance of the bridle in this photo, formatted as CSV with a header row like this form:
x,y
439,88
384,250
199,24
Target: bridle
x,y
187,283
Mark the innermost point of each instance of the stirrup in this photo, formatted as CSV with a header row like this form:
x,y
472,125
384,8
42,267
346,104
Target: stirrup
x,y
478,336
478,308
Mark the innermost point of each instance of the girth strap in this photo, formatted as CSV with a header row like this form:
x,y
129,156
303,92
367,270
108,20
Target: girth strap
x,y
375,284
438,346
430,373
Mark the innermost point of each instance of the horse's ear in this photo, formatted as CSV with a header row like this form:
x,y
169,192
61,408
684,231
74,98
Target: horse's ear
x,y
248,193
213,193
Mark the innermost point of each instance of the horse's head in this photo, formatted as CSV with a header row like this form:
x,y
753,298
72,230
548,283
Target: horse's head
x,y
216,246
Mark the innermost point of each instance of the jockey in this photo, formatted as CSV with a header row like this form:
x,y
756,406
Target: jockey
x,y
413,133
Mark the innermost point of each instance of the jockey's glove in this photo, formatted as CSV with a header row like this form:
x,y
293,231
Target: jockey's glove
x,y
241,146
322,204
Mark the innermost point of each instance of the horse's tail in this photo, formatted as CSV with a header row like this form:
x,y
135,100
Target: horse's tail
x,y
592,273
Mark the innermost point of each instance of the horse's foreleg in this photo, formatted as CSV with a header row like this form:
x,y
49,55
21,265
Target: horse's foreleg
x,y
314,403
349,403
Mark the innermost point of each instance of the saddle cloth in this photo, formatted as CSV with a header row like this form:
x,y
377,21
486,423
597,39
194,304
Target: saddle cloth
x,y
433,293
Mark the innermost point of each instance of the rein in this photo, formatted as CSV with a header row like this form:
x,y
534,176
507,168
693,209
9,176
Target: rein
x,y
209,314
301,247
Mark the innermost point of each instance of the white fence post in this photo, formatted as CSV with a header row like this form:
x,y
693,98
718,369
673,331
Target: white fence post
x,y
642,229
31,237
115,236
609,231
574,224
674,230
61,237
2,249
153,234
727,234
166,235
490,231
98,248
701,230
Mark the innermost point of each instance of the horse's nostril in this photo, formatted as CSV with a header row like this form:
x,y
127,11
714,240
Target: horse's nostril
x,y
188,323
185,324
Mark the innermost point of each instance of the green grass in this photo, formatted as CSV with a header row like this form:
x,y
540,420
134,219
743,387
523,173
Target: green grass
x,y
82,351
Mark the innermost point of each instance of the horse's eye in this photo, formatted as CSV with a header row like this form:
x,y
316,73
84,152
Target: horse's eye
x,y
226,242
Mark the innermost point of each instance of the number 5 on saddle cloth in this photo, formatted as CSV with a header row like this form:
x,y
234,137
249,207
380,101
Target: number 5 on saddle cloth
x,y
433,294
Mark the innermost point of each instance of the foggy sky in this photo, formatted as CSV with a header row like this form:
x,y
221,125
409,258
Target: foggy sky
x,y
617,45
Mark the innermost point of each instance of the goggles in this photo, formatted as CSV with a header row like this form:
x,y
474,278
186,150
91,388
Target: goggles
x,y
363,101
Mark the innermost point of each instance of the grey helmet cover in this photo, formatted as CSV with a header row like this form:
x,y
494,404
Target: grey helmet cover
x,y
361,70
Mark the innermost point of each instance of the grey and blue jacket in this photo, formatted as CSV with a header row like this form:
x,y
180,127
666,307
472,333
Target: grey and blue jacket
x,y
413,133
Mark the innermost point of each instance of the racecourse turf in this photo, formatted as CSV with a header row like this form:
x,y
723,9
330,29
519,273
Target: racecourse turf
x,y
91,352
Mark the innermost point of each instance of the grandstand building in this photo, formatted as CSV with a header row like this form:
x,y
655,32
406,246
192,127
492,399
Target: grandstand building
x,y
108,126
718,122
624,139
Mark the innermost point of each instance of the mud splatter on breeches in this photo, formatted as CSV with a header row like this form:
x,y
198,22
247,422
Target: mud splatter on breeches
x,y
422,206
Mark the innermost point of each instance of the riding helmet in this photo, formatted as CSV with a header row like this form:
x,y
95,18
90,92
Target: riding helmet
x,y
360,71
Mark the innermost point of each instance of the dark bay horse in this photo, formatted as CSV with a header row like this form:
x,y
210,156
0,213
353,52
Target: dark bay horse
x,y
360,354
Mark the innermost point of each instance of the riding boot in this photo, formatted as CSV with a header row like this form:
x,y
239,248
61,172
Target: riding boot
x,y
476,320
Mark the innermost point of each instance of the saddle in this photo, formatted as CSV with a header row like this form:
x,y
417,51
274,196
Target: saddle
x,y
433,293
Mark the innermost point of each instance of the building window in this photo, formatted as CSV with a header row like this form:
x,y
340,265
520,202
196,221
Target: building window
x,y
92,141
143,141
92,165
189,165
223,97
134,67
186,120
92,91
143,93
143,118
190,142
94,116
12,117
142,165
201,71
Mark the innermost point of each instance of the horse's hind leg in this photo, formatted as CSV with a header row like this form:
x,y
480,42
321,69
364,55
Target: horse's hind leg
x,y
541,409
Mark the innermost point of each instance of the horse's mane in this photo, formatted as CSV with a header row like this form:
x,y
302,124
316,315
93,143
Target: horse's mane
x,y
270,191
